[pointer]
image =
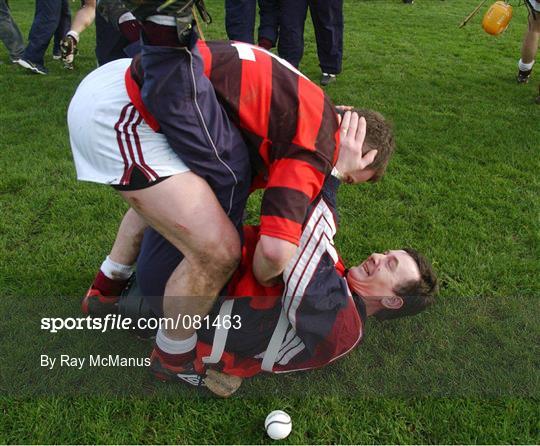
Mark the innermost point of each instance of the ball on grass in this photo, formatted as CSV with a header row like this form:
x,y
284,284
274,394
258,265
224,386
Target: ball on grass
x,y
278,425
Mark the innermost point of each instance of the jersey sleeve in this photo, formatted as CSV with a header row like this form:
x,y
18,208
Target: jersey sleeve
x,y
299,165
293,183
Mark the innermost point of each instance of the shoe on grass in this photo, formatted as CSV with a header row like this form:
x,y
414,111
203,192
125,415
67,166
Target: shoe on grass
x,y
33,67
523,76
68,49
96,304
165,372
327,78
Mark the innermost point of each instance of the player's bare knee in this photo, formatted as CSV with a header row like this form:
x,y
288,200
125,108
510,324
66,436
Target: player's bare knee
x,y
223,256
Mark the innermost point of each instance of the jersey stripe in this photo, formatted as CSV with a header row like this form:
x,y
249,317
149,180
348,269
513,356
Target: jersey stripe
x,y
297,175
286,203
311,107
282,228
284,108
327,142
256,94
226,73
293,151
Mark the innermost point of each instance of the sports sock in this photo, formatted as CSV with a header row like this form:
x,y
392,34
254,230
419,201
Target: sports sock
x,y
108,287
525,66
175,352
116,271
73,34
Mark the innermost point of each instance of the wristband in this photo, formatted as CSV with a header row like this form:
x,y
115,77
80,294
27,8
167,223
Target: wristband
x,y
336,173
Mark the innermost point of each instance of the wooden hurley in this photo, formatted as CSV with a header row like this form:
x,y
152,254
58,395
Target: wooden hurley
x,y
472,14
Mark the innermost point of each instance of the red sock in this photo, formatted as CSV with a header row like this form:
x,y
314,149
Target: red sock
x,y
108,287
175,359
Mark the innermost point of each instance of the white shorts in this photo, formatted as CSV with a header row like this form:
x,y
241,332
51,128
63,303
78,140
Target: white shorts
x,y
111,142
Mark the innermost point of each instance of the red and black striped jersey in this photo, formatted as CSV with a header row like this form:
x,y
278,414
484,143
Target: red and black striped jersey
x,y
287,120
289,124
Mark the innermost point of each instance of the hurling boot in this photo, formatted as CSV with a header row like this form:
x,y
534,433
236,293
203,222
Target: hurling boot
x,y
103,295
68,51
167,372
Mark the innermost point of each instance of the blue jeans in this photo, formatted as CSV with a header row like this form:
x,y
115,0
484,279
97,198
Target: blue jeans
x,y
47,19
10,33
63,26
240,19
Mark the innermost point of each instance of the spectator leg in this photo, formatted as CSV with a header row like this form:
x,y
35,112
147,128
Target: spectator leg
x,y
327,16
240,19
292,18
10,33
269,20
46,19
63,26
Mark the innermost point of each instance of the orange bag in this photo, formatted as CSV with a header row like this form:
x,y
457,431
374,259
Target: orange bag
x,y
497,18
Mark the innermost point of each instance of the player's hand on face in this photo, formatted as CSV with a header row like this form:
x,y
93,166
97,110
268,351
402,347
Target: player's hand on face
x,y
352,134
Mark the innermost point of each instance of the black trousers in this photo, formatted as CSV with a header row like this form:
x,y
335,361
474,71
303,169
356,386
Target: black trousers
x,y
327,17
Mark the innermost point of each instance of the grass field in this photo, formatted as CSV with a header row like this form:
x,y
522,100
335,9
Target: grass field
x,y
463,188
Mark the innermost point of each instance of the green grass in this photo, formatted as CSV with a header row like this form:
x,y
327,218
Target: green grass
x,y
463,188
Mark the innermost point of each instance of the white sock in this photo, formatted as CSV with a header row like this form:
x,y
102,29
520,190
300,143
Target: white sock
x,y
73,34
116,271
174,347
525,66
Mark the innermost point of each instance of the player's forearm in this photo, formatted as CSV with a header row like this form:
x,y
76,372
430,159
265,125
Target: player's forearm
x,y
84,17
271,257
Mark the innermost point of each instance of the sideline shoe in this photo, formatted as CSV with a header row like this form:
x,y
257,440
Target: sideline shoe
x,y
185,373
327,78
523,76
96,304
68,49
31,66
57,56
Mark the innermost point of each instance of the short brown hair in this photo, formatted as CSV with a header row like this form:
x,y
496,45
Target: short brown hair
x,y
380,136
416,295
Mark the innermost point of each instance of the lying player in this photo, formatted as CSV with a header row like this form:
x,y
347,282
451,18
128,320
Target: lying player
x,y
315,317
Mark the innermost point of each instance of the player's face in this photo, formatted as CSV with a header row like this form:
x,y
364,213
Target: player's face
x,y
379,274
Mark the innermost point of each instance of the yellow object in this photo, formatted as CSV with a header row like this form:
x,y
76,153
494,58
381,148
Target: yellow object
x,y
497,18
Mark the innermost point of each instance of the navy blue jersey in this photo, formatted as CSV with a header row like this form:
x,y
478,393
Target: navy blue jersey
x,y
309,322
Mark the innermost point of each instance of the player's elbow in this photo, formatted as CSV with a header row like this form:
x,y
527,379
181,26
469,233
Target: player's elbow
x,y
277,252
271,257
